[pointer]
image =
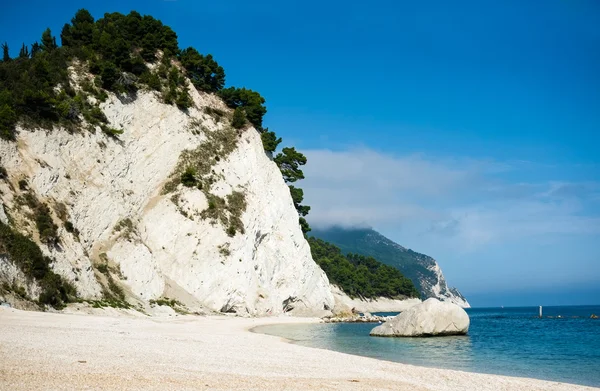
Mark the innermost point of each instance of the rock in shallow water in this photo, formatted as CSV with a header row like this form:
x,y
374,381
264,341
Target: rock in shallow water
x,y
430,318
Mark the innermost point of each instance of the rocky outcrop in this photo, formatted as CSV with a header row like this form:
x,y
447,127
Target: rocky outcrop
x,y
430,318
126,229
346,305
434,284
357,318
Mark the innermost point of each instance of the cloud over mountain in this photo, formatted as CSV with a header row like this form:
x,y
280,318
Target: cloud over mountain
x,y
472,201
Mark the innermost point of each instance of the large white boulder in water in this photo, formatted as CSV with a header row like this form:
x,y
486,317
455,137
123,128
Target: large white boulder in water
x,y
430,318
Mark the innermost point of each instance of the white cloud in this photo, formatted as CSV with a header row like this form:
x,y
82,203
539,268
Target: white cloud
x,y
468,200
382,172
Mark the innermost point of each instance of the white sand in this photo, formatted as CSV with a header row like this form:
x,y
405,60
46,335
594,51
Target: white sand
x,y
72,351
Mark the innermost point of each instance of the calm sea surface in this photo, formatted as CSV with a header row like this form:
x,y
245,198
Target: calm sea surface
x,y
506,341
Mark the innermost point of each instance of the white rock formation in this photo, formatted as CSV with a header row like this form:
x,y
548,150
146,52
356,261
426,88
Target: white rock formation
x,y
430,318
441,290
168,249
344,304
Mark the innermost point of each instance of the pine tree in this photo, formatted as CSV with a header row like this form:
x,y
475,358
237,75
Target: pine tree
x,y
270,140
298,197
66,36
304,226
48,41
204,72
35,49
5,52
289,162
24,52
251,101
80,33
239,118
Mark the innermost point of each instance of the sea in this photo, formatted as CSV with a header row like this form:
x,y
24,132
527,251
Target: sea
x,y
562,346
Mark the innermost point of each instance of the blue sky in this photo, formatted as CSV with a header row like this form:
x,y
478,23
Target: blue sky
x,y
469,132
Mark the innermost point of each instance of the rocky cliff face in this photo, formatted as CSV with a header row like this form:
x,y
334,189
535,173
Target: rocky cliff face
x,y
235,247
423,270
435,286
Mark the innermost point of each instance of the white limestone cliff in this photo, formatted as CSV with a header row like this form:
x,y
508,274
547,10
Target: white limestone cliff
x,y
158,245
440,289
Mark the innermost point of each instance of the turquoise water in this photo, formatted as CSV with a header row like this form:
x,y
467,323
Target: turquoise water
x,y
508,341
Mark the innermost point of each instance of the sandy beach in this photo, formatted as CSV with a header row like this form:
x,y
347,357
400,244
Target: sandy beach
x,y
56,351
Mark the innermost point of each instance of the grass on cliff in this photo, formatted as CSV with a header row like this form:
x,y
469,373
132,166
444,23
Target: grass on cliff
x,y
196,169
28,257
40,214
176,305
113,294
125,228
195,166
227,211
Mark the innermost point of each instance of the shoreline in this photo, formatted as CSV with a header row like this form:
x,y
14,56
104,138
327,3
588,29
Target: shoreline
x,y
73,351
294,342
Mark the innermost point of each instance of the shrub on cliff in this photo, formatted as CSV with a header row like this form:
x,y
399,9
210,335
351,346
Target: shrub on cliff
x,y
35,86
251,101
204,72
188,178
239,118
270,140
29,258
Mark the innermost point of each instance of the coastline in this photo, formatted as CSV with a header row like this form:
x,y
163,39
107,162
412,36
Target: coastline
x,y
382,304
125,351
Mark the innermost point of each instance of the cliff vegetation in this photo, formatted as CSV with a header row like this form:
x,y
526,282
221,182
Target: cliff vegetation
x,y
360,276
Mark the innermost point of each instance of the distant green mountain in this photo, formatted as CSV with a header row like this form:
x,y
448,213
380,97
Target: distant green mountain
x,y
423,270
361,276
